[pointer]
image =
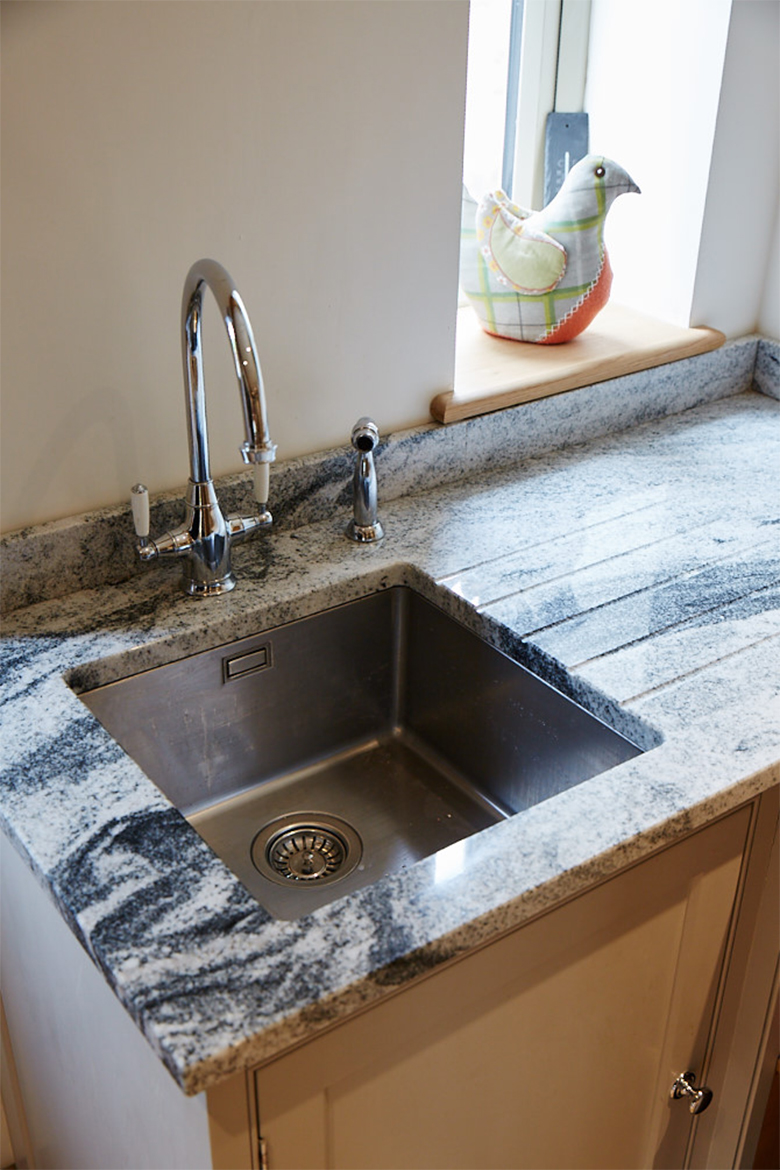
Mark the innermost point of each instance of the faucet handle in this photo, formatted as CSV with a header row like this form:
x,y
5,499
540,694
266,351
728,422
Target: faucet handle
x,y
139,502
262,483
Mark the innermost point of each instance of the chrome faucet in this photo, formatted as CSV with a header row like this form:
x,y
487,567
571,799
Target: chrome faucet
x,y
206,535
365,526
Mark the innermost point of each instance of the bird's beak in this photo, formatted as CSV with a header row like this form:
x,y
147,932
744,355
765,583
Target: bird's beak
x,y
632,188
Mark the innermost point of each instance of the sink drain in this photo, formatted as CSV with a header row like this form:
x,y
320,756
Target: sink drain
x,y
306,847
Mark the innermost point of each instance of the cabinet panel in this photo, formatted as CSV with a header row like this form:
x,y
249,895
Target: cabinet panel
x,y
547,1078
546,1048
93,1092
232,1124
745,1050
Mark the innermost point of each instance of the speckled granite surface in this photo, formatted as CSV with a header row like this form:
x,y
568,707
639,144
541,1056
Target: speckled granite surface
x,y
639,571
97,548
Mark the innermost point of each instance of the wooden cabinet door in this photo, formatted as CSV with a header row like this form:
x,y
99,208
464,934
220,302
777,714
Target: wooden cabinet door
x,y
555,1046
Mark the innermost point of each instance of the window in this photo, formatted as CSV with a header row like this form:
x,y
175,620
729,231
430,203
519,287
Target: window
x,y
527,59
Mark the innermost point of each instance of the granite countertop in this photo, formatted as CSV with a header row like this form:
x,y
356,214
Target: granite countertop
x,y
640,571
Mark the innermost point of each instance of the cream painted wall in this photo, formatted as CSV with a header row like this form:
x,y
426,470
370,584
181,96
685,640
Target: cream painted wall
x,y
654,77
738,240
769,319
314,148
684,93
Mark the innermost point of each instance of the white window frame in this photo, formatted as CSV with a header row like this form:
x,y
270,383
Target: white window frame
x,y
552,72
548,54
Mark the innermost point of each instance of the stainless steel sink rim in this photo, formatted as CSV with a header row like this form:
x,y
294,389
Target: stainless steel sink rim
x,y
308,848
385,710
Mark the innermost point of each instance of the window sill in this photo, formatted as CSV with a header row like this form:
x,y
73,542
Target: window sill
x,y
492,373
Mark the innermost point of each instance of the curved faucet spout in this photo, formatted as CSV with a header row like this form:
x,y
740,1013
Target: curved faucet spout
x,y
257,447
204,540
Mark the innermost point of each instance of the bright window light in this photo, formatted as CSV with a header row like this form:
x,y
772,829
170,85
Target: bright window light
x,y
486,84
527,59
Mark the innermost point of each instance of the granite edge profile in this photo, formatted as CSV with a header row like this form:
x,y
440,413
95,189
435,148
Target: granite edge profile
x,y
767,371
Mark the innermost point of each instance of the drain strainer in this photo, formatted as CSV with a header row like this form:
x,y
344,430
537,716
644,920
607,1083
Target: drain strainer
x,y
306,847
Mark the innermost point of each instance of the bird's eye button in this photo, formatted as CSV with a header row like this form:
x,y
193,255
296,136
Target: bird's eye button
x,y
599,172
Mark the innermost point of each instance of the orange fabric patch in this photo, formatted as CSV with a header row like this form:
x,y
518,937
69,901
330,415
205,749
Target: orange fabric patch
x,y
582,316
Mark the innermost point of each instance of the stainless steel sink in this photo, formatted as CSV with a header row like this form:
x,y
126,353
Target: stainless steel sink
x,y
319,756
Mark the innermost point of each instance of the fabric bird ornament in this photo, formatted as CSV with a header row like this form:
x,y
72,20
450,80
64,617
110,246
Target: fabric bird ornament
x,y
542,276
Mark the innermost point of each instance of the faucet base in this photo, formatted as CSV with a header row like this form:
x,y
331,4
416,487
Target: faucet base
x,y
364,533
210,588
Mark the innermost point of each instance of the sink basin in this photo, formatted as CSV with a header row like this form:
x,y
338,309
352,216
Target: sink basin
x,y
319,756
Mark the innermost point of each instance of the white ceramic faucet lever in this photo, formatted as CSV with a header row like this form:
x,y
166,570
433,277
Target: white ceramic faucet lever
x,y
139,502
